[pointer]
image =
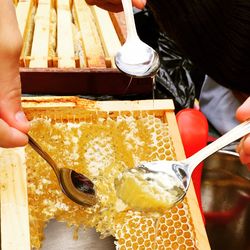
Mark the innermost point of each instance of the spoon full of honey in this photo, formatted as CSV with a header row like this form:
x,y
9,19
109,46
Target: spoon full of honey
x,y
135,58
74,185
159,185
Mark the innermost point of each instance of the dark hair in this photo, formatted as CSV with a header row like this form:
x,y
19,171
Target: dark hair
x,y
214,34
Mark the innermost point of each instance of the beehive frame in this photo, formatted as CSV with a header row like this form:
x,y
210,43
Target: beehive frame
x,y
43,23
14,207
67,41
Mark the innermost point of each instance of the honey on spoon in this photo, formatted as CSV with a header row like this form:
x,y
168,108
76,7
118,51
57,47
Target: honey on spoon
x,y
75,186
160,185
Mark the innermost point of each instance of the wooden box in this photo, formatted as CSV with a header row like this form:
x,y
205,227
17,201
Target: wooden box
x,y
69,48
182,226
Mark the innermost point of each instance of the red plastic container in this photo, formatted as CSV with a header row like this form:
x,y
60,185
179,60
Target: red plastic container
x,y
193,127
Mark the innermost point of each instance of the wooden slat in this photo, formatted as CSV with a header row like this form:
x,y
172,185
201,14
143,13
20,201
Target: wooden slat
x,y
142,105
14,201
40,46
91,40
23,13
107,32
118,20
76,102
199,228
65,45
72,108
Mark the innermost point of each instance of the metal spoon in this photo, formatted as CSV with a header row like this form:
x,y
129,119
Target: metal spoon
x,y
74,185
135,57
173,177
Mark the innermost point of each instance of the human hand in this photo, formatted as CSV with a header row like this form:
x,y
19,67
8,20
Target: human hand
x,y
13,123
242,114
115,5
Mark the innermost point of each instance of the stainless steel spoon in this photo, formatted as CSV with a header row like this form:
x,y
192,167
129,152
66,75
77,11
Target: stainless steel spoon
x,y
74,185
173,177
135,57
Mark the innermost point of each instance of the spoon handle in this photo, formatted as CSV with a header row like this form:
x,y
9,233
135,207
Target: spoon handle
x,y
231,136
44,155
130,21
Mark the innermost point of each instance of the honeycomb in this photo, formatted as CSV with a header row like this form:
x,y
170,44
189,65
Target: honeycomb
x,y
100,148
52,37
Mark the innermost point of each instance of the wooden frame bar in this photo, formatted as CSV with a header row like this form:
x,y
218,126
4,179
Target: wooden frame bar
x,y
108,35
14,201
191,198
91,42
23,13
65,47
40,45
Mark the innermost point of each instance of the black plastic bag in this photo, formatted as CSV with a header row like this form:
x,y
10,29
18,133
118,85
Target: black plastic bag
x,y
174,79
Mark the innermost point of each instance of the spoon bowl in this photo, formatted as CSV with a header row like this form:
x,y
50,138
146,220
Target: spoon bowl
x,y
77,187
168,181
135,57
74,185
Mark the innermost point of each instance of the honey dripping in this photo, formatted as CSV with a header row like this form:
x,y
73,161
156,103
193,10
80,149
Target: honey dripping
x,y
129,83
153,90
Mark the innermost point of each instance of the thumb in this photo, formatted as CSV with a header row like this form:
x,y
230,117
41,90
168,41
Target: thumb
x,y
243,112
10,104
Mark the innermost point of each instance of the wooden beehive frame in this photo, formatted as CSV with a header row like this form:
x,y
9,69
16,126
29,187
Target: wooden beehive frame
x,y
98,46
14,207
83,65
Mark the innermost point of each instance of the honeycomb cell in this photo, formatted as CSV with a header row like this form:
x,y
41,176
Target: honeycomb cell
x,y
147,243
174,245
167,243
128,244
170,223
144,227
163,227
179,232
135,245
181,212
177,224
162,157
133,237
182,247
175,217
183,219
185,227
173,237
140,240
187,235
181,240
189,243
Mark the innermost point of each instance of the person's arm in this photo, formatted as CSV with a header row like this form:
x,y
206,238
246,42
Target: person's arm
x,y
115,5
242,114
13,123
